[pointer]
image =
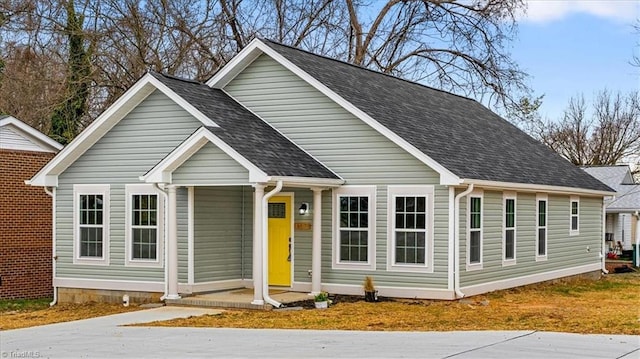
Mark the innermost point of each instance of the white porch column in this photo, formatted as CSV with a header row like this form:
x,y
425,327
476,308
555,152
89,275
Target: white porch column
x,y
316,244
172,250
257,244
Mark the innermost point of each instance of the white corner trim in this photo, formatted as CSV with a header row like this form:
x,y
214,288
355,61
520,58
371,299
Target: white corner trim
x,y
107,284
529,279
257,47
161,173
190,235
48,175
43,141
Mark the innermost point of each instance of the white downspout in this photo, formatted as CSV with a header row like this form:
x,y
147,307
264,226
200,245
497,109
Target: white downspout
x,y
265,245
54,258
456,260
166,242
637,215
603,256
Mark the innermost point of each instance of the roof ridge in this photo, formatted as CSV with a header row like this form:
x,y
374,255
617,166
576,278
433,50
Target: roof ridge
x,y
174,77
368,69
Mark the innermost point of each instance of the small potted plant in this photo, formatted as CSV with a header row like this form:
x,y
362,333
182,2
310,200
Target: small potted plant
x,y
370,292
321,300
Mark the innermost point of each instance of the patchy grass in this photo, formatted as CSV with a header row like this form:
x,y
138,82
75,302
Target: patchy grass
x,y
17,314
605,306
21,305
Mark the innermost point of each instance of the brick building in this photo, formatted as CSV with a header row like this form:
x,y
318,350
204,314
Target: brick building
x,y
25,212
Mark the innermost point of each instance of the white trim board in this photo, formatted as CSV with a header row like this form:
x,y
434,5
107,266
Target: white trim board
x,y
383,291
528,279
48,175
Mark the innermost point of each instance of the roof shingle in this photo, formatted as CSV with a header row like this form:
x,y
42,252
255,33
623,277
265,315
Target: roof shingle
x,y
459,133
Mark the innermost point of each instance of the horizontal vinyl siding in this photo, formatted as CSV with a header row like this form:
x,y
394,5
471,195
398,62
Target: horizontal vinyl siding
x,y
183,228
11,138
210,166
563,251
353,150
218,242
138,142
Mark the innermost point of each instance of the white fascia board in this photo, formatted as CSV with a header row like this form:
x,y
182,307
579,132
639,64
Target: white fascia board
x,y
306,182
237,64
46,142
105,122
257,47
524,187
161,173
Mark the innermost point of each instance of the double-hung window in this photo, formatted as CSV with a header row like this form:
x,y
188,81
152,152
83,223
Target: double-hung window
x,y
574,223
143,225
474,231
509,235
410,228
541,221
354,224
91,224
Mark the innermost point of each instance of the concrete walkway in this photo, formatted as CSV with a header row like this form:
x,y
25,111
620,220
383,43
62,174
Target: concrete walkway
x,y
105,338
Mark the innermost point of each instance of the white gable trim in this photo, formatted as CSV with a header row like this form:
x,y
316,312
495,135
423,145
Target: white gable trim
x,y
48,175
161,173
257,47
39,139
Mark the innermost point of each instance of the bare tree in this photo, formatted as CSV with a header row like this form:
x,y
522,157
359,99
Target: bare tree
x,y
454,45
606,136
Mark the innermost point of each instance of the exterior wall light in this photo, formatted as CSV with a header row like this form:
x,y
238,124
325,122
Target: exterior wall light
x,y
304,208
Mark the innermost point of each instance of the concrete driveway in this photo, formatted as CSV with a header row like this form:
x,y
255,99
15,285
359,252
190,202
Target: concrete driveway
x,y
105,338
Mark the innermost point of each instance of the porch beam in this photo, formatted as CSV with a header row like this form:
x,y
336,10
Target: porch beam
x,y
172,248
316,244
257,244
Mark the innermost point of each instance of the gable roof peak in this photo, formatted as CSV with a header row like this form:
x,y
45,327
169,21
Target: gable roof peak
x,y
265,40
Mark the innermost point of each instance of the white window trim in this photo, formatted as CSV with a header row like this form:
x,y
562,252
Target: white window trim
x,y
542,197
574,232
505,197
409,191
93,189
368,191
142,189
475,266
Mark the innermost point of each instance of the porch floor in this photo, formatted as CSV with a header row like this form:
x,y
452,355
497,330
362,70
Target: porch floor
x,y
238,298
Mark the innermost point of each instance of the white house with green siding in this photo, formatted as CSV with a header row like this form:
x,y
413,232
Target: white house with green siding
x,y
292,170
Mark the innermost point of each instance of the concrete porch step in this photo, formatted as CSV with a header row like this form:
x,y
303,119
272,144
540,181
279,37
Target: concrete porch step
x,y
238,298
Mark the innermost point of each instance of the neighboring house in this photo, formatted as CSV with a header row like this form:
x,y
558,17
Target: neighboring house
x,y
25,212
624,208
293,170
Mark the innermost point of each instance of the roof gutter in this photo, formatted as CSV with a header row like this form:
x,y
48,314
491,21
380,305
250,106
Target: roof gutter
x,y
456,243
166,245
265,245
523,187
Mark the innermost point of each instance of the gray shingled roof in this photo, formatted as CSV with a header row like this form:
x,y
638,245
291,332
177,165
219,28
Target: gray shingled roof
x,y
619,178
459,133
247,134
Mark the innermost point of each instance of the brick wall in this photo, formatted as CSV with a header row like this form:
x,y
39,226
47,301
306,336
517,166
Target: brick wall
x,y
25,227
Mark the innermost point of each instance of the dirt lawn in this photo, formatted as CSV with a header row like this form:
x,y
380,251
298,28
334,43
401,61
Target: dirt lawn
x,y
606,306
610,305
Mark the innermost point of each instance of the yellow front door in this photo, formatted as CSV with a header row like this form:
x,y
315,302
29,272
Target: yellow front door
x,y
280,241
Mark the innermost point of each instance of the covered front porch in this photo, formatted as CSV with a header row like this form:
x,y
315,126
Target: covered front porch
x,y
277,194
239,298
